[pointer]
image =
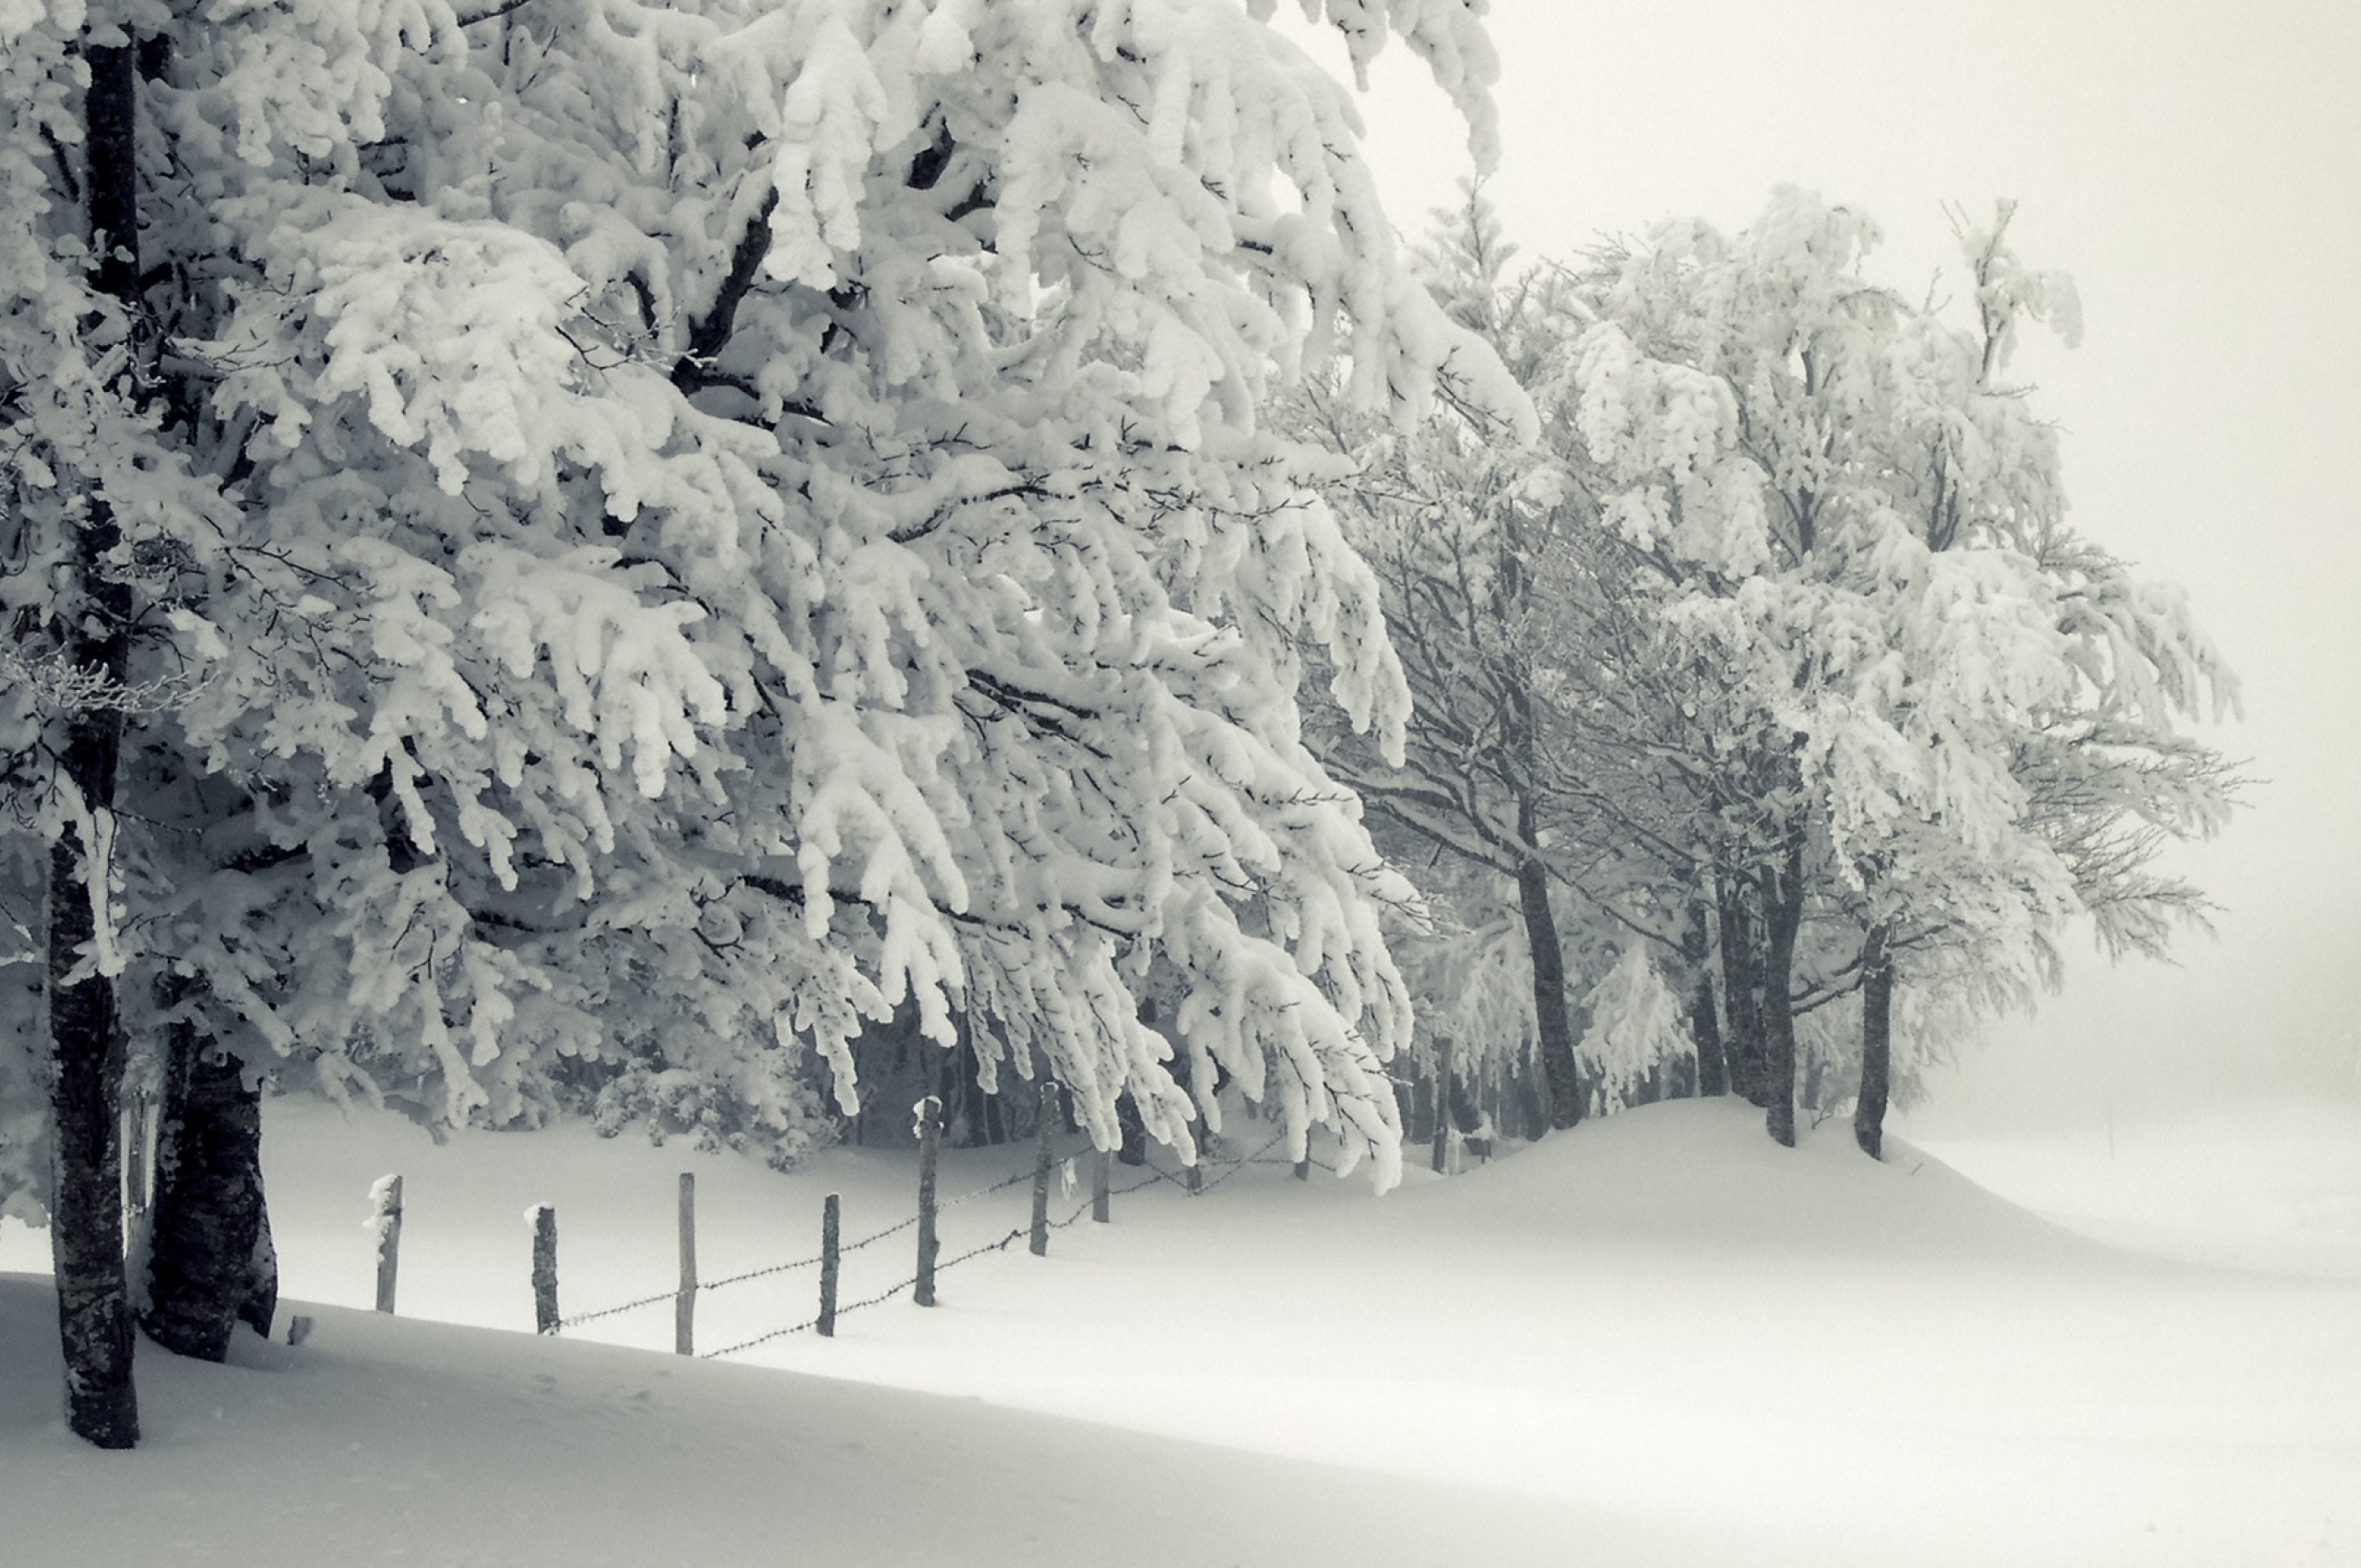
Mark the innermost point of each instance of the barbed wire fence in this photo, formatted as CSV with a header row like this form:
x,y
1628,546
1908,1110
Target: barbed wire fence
x,y
1193,1180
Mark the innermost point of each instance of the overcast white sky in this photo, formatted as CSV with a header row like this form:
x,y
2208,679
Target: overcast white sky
x,y
2197,167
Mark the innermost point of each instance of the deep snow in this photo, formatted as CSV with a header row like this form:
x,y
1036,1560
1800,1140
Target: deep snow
x,y
1657,1340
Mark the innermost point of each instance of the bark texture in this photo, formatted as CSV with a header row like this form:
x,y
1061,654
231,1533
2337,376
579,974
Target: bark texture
x,y
86,1030
1784,916
1877,1046
1552,1020
210,1264
1742,992
1706,1028
86,1210
1705,1020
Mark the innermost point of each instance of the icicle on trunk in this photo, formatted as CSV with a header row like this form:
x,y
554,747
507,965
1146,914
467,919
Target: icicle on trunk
x,y
210,1265
1877,1045
1783,913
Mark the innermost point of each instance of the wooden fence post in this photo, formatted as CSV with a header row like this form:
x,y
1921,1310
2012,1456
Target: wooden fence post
x,y
929,1144
386,1200
1303,1166
1442,1102
1100,1159
1195,1180
1041,1170
828,1230
684,1305
544,1220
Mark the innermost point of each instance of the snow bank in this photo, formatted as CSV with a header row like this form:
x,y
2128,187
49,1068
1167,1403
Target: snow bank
x,y
1657,1341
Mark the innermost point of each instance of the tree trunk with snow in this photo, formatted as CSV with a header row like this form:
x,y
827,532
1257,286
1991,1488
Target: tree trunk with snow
x,y
1704,1021
1742,992
1783,919
210,1264
86,1030
1552,1022
1132,1149
85,1206
1706,1028
1877,1045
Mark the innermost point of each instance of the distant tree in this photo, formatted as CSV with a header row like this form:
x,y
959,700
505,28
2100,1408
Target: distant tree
x,y
1847,505
1771,676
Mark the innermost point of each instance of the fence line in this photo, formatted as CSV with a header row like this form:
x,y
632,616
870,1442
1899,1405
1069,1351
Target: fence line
x,y
386,1219
662,1296
1002,1245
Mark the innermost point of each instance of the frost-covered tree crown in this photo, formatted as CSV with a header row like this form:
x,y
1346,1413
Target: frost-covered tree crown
x,y
664,533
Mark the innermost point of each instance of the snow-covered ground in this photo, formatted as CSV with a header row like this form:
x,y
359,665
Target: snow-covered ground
x,y
1658,1340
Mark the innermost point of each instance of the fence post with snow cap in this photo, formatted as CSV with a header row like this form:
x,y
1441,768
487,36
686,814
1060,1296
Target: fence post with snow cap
x,y
1443,1104
386,1219
684,1308
1043,1119
829,1257
930,1131
544,1222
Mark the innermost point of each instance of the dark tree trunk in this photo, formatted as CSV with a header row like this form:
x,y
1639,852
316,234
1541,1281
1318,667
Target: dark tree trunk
x,y
85,1208
1742,992
1553,1022
210,1266
1784,912
1706,1028
1532,1108
86,1030
1705,1024
1877,1045
1132,1150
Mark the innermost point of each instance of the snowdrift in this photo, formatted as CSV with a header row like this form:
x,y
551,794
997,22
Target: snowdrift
x,y
1658,1340
1701,1173
381,1440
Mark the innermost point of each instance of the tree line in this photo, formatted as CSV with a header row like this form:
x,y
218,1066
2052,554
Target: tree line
x,y
1771,687
579,555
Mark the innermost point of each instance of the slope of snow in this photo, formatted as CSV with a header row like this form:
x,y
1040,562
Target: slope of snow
x,y
2266,1185
389,1440
1657,1340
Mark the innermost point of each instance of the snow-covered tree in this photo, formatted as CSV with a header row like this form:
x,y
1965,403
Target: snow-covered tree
x,y
1462,520
1776,646
1849,506
1637,1025
647,537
